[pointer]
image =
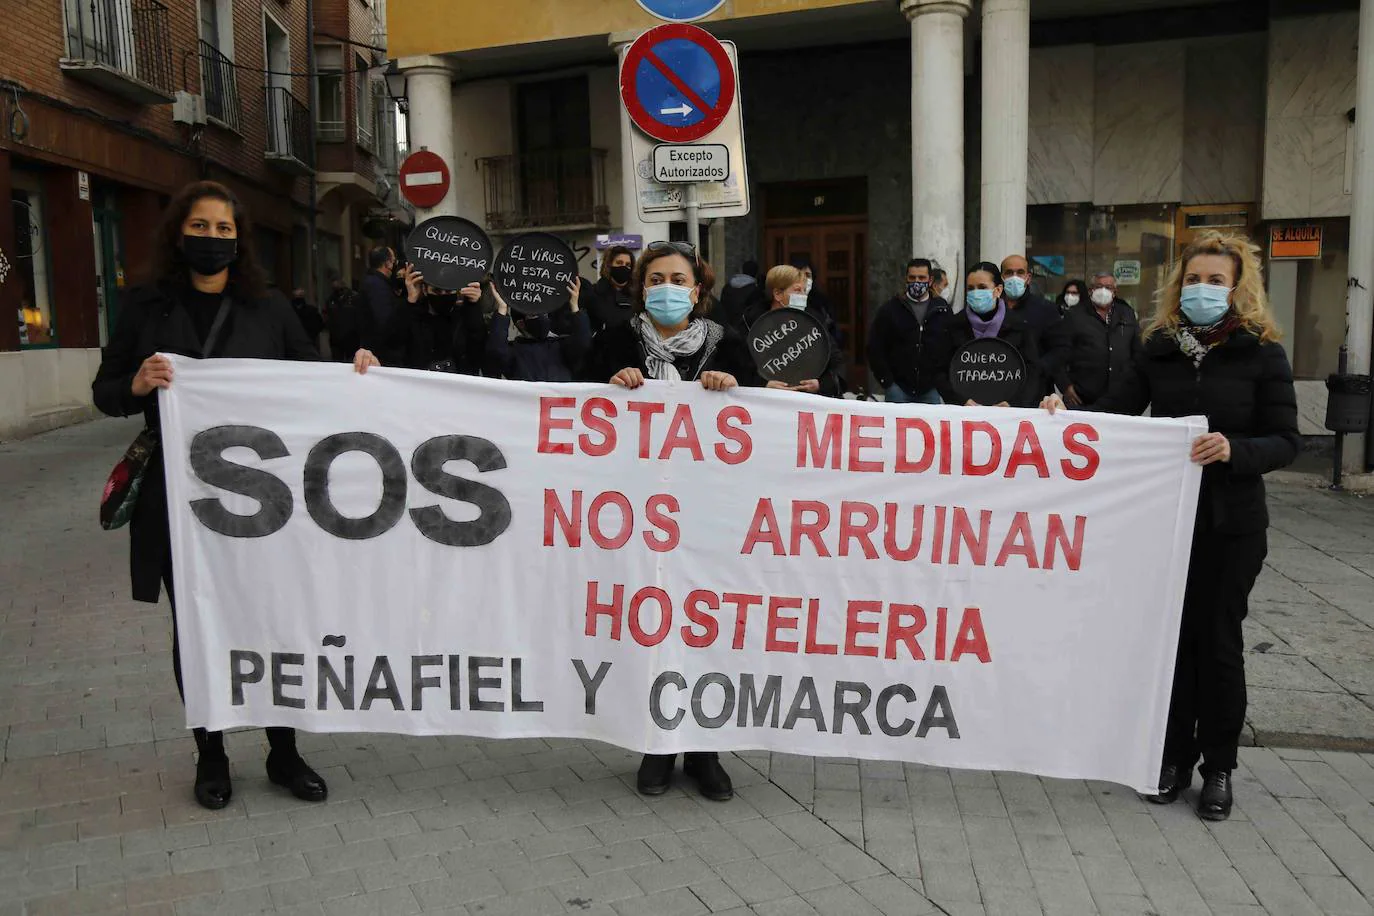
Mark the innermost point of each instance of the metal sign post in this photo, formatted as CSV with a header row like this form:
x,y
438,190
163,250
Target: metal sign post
x,y
693,205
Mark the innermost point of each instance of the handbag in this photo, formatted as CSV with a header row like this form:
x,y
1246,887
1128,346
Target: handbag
x,y
120,496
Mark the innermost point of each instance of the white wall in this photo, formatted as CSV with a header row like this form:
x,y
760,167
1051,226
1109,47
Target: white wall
x,y
45,389
483,125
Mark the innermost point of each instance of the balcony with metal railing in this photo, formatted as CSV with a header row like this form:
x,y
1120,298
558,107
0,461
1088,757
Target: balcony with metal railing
x,y
122,46
288,133
219,82
552,190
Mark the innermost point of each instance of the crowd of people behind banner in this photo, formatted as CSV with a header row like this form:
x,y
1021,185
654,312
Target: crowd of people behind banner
x,y
1211,348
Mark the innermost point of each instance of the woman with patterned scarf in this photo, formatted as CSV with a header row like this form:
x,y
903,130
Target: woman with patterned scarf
x,y
670,339
1213,348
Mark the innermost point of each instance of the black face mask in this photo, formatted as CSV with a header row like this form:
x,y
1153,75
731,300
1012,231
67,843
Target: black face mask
x,y
207,255
443,304
620,275
535,328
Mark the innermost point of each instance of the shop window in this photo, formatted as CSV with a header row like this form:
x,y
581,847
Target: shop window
x,y
1314,343
30,267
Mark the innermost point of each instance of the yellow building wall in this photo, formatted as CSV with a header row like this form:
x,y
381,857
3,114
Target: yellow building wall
x,y
416,27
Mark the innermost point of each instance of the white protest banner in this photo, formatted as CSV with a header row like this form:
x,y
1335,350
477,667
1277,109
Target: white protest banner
x,y
672,568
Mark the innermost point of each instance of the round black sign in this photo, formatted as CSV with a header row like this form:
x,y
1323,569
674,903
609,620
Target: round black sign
x,y
789,346
449,251
988,371
533,273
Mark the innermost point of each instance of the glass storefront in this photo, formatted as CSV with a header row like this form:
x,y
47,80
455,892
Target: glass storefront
x,y
1134,243
31,266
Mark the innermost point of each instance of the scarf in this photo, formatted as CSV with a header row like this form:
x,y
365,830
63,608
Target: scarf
x,y
1197,342
988,327
661,354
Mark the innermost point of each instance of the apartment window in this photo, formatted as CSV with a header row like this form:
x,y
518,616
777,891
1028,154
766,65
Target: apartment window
x,y
556,178
218,82
30,266
329,117
383,118
362,97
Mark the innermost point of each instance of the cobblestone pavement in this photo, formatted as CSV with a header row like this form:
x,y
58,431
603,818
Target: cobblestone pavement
x,y
96,812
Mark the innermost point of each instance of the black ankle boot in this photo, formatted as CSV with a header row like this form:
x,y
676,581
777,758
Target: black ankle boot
x,y
286,768
1172,781
655,773
712,780
1215,803
213,787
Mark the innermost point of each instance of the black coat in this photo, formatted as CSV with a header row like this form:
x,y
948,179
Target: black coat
x,y
383,318
832,380
431,338
902,350
602,306
1245,389
1098,350
619,348
1014,331
1042,316
553,359
738,299
153,320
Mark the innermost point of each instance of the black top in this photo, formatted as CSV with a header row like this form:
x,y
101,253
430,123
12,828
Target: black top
x,y
619,347
162,318
958,331
553,359
1245,389
902,350
1098,350
606,306
203,307
1043,318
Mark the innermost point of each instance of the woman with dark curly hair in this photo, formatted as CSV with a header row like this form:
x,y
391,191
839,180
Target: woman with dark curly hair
x,y
207,298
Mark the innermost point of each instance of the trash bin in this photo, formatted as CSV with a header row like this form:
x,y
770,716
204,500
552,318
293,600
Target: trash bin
x,y
1347,403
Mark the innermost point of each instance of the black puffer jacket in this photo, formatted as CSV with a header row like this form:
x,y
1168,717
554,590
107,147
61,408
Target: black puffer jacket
x,y
1245,389
606,307
1098,351
903,350
1015,331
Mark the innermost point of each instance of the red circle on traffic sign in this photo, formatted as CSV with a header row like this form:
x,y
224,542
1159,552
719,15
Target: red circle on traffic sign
x,y
424,178
642,50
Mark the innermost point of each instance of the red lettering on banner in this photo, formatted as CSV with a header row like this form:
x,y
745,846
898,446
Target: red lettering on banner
x,y
904,463
937,545
972,468
597,414
627,520
742,605
918,516
941,619
1073,433
764,530
595,609
547,424
665,618
811,530
899,633
1057,538
858,423
862,532
658,512
853,627
813,645
1019,543
696,617
646,410
736,434
1027,451
682,433
554,514
777,622
971,640
813,446
946,448
961,532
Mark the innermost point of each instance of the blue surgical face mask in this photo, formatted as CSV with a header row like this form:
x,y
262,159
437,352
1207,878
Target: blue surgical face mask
x,y
797,301
1204,304
667,304
982,301
1015,287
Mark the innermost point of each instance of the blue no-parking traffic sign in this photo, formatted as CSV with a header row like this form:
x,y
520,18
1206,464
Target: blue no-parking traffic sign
x,y
681,10
677,83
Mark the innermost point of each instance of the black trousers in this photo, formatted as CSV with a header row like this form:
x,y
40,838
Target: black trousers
x,y
1207,709
283,739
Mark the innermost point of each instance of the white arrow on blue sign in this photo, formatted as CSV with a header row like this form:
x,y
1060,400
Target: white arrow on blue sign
x,y
681,10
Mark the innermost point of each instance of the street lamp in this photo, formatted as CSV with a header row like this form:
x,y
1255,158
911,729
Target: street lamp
x,y
396,85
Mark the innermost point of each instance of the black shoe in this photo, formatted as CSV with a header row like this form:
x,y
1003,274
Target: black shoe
x,y
1215,803
711,777
1172,781
655,773
213,788
291,772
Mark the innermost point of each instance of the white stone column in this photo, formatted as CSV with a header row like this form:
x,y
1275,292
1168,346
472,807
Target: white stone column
x,y
630,223
1006,120
1359,301
937,132
429,90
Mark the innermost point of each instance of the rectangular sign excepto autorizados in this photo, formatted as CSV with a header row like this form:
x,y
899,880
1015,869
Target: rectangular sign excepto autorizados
x,y
691,162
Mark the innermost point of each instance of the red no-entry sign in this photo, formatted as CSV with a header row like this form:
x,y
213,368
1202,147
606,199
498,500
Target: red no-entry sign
x,y
677,83
424,178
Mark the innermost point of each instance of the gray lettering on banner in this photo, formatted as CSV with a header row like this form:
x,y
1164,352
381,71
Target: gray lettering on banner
x,y
753,706
655,700
418,681
806,704
494,515
852,708
328,677
590,684
321,505
885,697
281,679
477,683
518,703
381,685
939,714
238,677
727,707
271,493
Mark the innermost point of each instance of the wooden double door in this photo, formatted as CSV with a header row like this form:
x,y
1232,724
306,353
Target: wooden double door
x,y
837,250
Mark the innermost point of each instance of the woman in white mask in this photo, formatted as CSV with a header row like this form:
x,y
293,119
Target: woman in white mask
x,y
1213,348
785,287
1074,292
